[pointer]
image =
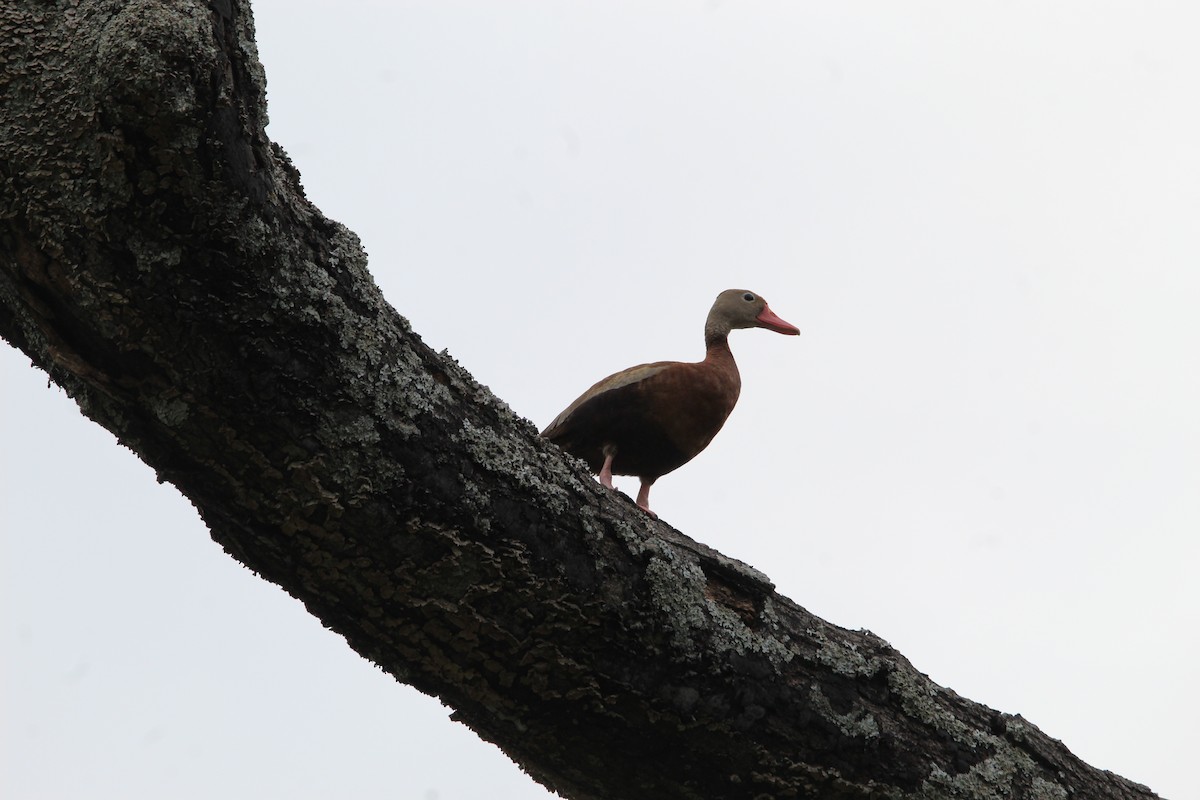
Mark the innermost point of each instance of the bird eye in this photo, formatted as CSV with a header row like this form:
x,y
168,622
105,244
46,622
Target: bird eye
x,y
749,298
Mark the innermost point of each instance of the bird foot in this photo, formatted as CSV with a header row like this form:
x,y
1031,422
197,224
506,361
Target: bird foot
x,y
648,511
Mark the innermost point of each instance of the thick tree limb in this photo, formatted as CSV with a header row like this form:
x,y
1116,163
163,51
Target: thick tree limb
x,y
160,261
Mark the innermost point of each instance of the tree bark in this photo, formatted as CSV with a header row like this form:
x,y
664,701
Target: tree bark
x,y
160,261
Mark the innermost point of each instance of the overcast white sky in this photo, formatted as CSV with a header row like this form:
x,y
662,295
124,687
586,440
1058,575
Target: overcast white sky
x,y
985,219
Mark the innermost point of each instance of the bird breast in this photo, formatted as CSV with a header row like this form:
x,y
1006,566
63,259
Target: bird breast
x,y
691,403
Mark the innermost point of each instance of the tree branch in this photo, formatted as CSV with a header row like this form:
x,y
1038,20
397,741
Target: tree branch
x,y
161,262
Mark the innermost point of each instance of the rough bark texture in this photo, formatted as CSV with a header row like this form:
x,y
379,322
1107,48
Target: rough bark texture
x,y
160,261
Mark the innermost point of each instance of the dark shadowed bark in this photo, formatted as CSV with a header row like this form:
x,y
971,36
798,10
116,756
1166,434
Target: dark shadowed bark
x,y
160,261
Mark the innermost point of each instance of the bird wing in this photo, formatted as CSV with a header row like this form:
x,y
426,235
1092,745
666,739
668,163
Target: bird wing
x,y
615,381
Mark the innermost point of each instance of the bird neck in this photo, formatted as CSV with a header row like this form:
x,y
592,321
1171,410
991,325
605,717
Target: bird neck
x,y
720,365
715,329
716,347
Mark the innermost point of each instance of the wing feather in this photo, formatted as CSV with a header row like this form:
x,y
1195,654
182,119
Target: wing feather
x,y
625,377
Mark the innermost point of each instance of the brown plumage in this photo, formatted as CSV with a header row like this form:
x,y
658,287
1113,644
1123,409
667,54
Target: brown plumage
x,y
653,418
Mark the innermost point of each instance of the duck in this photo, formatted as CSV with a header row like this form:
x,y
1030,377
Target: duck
x,y
652,419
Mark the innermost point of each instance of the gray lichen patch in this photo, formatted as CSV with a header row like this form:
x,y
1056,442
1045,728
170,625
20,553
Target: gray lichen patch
x,y
148,54
171,411
698,624
411,395
352,427
992,777
493,451
676,590
842,655
919,697
733,635
858,724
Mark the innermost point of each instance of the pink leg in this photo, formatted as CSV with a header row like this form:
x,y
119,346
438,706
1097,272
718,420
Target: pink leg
x,y
643,499
606,470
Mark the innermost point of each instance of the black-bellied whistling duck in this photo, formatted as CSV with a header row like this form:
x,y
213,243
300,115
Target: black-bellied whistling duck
x,y
653,418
